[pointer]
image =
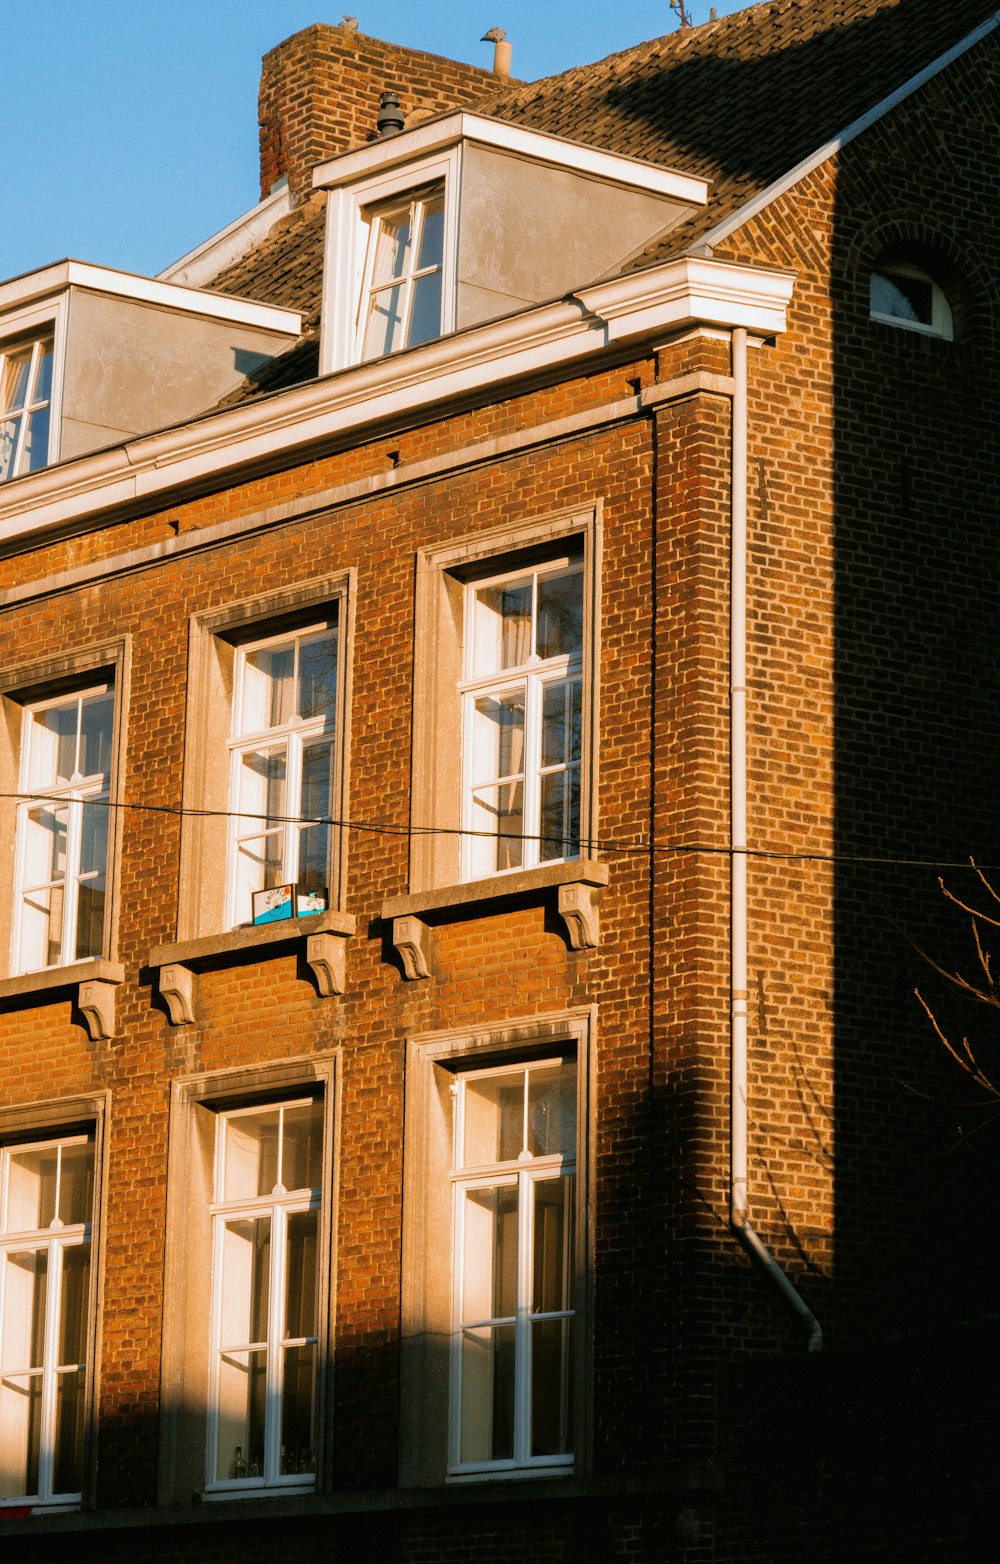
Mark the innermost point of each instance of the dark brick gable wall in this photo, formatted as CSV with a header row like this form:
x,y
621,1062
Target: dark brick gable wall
x,y
874,483
874,480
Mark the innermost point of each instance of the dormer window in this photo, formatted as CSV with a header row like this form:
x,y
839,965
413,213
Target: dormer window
x,y
25,398
71,336
426,232
404,271
907,296
391,246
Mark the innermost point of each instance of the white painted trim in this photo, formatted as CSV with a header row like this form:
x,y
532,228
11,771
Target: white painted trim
x,y
147,290
708,291
438,134
455,460
781,186
664,299
200,265
33,321
346,246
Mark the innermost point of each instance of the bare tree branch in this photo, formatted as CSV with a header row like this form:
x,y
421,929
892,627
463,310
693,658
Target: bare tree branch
x,y
984,990
985,881
974,912
984,956
969,1064
958,981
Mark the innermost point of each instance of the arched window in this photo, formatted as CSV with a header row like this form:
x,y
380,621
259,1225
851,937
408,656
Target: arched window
x,y
905,295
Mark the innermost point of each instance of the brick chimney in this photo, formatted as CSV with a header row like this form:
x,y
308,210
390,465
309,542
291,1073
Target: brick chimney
x,y
320,91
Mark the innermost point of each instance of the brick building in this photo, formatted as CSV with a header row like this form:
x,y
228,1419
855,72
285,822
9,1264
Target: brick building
x,y
495,648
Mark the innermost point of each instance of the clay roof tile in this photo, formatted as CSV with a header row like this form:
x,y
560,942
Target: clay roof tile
x,y
738,101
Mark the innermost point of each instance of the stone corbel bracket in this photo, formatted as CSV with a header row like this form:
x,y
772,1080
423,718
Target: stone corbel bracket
x,y
412,939
95,999
580,908
579,886
326,955
323,935
92,984
177,990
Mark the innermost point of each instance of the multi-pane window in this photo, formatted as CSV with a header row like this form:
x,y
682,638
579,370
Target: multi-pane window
x,y
62,834
404,268
522,718
25,398
513,1177
46,1200
265,1214
284,731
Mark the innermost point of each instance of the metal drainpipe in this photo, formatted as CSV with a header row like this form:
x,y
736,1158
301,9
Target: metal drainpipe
x,y
753,1245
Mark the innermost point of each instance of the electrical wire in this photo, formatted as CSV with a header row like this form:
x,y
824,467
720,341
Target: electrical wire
x,y
637,847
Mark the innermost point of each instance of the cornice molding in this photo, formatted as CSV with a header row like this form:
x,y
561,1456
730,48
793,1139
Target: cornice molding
x,y
148,471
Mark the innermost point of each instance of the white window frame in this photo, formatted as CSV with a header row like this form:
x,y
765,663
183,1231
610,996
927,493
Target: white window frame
x,y
188,1370
33,403
435,1062
74,794
214,640
293,735
54,1240
526,1173
348,233
941,323
437,794
29,325
36,683
407,280
278,1206
532,675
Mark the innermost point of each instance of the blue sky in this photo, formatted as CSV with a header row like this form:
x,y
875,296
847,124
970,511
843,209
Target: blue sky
x,y
132,124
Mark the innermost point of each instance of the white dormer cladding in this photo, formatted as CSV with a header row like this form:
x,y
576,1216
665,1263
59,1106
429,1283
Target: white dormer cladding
x,y
131,354
526,217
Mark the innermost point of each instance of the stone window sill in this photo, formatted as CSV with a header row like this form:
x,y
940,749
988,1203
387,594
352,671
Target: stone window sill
x,y
324,936
695,1485
579,885
94,981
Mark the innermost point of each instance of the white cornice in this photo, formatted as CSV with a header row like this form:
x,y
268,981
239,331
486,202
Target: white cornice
x,y
202,264
55,279
781,186
713,293
438,134
144,472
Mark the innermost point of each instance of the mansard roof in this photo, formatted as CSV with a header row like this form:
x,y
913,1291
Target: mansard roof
x,y
740,101
287,265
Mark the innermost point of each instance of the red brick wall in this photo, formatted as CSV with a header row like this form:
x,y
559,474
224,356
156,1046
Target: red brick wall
x,y
502,965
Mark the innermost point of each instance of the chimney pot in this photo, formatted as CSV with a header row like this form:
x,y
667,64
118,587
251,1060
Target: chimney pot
x,y
390,119
501,50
